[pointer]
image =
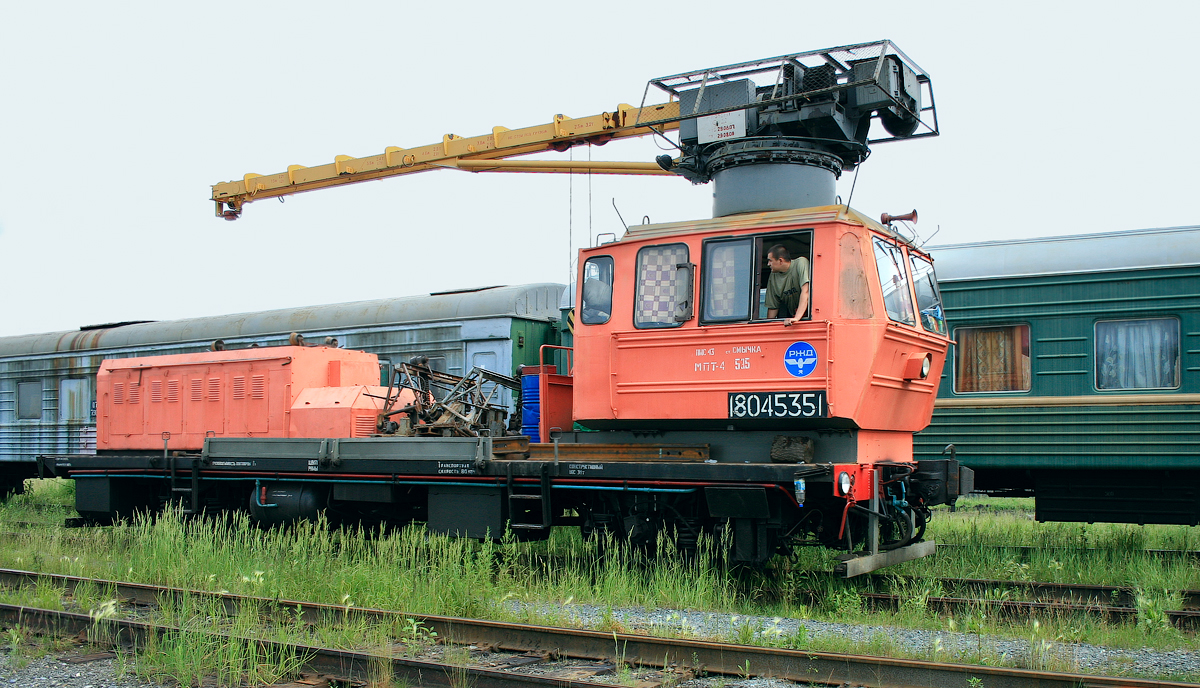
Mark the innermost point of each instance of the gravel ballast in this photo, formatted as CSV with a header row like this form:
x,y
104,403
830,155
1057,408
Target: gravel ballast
x,y
947,646
51,672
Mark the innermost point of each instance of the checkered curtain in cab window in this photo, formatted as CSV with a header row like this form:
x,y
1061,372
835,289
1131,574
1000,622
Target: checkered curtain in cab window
x,y
656,285
727,286
724,277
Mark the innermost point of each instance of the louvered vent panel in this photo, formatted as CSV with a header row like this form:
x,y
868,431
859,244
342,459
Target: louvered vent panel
x,y
214,389
155,391
118,393
172,391
197,389
258,386
364,426
239,387
135,392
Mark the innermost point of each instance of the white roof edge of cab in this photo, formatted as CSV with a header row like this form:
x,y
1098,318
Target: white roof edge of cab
x,y
822,213
1074,253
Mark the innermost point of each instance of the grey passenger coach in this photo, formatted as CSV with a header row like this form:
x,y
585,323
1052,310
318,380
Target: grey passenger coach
x,y
47,381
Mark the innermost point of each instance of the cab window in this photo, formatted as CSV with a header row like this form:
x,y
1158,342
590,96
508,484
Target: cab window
x,y
897,299
929,299
738,282
597,291
727,269
661,270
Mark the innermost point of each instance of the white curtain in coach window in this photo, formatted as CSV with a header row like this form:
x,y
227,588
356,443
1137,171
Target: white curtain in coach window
x,y
1137,354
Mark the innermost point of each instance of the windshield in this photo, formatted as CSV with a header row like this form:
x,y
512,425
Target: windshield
x,y
894,280
929,299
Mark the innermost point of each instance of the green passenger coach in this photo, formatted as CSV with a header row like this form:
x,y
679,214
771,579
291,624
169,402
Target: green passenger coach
x,y
1075,375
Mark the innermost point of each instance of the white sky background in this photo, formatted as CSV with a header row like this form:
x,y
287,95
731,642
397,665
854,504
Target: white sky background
x,y
1056,118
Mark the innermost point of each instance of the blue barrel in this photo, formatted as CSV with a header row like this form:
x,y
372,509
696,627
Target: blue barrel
x,y
531,406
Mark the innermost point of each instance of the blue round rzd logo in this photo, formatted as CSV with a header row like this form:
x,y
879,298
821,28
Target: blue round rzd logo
x,y
800,359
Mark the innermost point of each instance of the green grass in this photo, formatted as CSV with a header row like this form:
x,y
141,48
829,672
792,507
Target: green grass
x,y
408,569
44,502
417,572
1098,554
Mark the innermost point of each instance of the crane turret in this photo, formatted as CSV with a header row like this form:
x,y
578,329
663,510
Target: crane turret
x,y
782,145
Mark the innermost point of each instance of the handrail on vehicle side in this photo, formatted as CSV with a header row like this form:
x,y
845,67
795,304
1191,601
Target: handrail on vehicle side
x,y
544,426
570,357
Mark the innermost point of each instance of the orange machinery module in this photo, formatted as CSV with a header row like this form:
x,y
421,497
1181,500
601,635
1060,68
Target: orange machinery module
x,y
286,391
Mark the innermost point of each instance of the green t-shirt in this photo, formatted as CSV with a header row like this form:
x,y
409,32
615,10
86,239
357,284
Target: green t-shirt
x,y
783,288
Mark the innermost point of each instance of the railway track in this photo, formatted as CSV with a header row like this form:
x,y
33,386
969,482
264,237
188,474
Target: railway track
x,y
1114,603
336,667
512,649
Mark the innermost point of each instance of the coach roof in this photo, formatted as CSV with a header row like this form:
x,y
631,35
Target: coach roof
x,y
530,302
1127,250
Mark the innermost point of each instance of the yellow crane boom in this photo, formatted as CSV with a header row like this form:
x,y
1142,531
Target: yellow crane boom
x,y
486,153
814,110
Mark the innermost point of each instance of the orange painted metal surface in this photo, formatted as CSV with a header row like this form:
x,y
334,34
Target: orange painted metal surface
x,y
687,373
340,411
556,394
243,393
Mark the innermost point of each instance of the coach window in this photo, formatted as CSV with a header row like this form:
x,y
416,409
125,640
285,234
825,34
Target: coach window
x,y
897,299
992,359
29,400
660,273
75,399
1137,354
929,299
597,291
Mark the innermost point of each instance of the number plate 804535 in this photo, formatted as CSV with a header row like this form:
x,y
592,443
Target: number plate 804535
x,y
778,405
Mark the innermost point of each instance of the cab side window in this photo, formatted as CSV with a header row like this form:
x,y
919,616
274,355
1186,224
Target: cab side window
x,y
597,291
785,276
727,280
661,270
742,282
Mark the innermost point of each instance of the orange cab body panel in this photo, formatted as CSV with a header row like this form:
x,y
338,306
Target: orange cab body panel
x,y
849,366
243,393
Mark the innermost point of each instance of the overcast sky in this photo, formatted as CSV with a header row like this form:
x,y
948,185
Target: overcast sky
x,y
1056,118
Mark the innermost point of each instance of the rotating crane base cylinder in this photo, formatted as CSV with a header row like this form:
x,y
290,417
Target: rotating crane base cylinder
x,y
756,175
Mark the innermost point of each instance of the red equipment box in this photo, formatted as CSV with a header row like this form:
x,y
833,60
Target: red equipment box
x,y
243,393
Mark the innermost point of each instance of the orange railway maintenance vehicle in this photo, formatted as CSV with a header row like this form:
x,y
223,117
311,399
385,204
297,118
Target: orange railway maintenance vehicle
x,y
688,405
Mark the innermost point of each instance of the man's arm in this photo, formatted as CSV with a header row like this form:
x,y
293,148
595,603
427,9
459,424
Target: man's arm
x,y
772,312
801,308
